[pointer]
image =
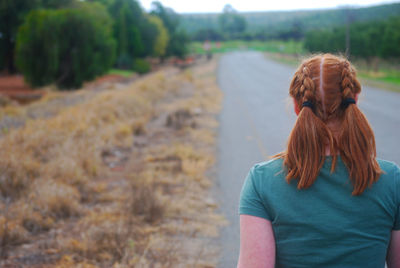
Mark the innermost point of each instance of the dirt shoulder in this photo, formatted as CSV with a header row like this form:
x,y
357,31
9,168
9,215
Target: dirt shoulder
x,y
119,179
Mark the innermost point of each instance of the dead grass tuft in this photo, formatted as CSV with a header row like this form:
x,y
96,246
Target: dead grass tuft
x,y
55,200
34,222
11,233
107,241
180,119
139,126
16,176
146,201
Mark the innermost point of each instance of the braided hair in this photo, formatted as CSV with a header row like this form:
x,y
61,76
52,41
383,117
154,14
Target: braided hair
x,y
324,88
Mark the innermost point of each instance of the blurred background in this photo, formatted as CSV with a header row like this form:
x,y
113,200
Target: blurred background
x,y
133,35
127,127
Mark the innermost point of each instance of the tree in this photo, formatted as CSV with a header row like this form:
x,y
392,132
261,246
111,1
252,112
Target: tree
x,y
106,3
54,4
12,15
162,39
177,45
127,15
369,40
391,39
167,15
66,47
207,34
294,31
231,23
331,40
149,32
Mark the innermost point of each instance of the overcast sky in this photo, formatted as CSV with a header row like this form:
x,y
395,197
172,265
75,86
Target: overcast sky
x,y
195,6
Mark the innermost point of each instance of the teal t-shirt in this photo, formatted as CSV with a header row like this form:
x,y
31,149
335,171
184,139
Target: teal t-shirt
x,y
325,225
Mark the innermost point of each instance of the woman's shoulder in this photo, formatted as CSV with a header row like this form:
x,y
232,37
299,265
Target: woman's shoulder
x,y
390,177
270,168
389,168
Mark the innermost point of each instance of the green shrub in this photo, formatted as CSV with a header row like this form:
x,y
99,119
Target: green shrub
x,y
66,46
124,62
141,66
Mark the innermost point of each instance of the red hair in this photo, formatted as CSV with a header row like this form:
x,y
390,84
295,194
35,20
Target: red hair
x,y
326,81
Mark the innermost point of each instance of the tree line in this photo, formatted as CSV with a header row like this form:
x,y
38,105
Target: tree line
x,y
67,42
366,39
370,40
282,25
231,26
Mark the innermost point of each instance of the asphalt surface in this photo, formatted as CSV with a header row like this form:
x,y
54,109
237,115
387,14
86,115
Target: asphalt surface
x,y
256,119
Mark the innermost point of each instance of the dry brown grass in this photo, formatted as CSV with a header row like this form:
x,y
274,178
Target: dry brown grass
x,y
146,202
117,183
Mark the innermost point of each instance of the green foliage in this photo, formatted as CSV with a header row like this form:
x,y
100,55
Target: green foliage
x,y
127,16
38,49
177,45
207,34
139,35
367,39
178,40
12,15
56,3
162,37
106,3
325,41
66,46
387,76
231,23
124,73
391,39
141,66
273,24
2,53
167,15
149,33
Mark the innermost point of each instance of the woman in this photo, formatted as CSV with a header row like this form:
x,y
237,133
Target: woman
x,y
326,201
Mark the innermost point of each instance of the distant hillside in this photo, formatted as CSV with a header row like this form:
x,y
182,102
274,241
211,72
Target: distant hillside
x,y
283,20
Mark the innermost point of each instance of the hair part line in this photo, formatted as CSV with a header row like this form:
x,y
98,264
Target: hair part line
x,y
321,77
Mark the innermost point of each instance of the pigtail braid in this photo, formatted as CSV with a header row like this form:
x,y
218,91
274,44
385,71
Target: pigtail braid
x,y
347,81
307,141
356,141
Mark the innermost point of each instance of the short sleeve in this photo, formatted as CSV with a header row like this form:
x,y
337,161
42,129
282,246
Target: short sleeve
x,y
250,201
396,225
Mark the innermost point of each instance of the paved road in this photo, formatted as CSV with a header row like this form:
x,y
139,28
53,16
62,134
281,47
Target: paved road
x,y
256,120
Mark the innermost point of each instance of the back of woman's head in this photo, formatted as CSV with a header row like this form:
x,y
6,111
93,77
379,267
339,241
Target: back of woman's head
x,y
325,89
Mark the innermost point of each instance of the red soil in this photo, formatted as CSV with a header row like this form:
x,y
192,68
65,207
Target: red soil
x,y
14,87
